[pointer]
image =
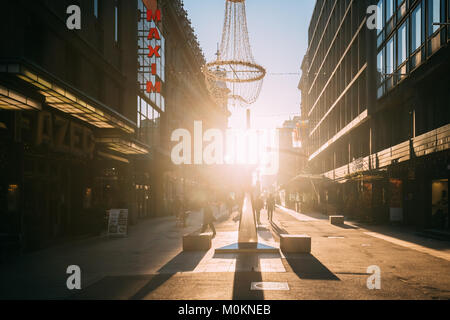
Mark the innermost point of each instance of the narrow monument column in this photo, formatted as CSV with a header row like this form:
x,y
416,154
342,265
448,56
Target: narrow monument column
x,y
247,224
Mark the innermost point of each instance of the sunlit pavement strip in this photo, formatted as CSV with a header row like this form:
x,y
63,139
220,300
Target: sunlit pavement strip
x,y
296,215
269,286
406,244
212,262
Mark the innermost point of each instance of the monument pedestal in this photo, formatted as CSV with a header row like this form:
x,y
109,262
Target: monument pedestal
x,y
247,248
248,236
197,242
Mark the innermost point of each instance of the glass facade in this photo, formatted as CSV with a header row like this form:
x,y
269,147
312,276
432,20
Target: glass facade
x,y
416,27
402,38
405,26
148,123
149,105
434,15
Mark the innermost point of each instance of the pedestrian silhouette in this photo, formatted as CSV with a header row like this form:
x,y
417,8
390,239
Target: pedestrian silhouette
x,y
208,218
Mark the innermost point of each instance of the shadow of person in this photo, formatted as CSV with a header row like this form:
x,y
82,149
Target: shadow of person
x,y
245,273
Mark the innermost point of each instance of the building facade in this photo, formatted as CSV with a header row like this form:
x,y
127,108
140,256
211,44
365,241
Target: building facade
x,y
377,102
188,100
81,132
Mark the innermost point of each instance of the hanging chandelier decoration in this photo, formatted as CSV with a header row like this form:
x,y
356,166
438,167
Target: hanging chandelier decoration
x,y
234,76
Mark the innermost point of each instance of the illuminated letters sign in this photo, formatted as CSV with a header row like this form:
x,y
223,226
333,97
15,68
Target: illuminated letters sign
x,y
63,135
153,14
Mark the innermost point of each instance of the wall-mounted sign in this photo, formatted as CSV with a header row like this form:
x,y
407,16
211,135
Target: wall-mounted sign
x,y
118,222
395,201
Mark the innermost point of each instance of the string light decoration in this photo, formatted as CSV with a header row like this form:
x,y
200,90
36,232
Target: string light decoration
x,y
234,76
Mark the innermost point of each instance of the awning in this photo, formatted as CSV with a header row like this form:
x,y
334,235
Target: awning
x,y
11,100
67,101
122,145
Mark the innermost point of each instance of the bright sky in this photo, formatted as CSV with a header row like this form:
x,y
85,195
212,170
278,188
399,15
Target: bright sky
x,y
278,31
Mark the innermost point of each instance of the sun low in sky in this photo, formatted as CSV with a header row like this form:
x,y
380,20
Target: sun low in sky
x,y
278,32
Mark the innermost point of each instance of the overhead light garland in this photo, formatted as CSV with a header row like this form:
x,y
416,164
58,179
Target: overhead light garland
x,y
235,75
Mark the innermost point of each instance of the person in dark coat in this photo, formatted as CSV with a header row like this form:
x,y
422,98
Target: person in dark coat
x,y
270,207
259,204
230,204
208,218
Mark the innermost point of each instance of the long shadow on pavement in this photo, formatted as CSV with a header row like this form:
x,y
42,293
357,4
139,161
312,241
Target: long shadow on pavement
x,y
246,272
137,287
346,226
277,229
308,267
183,262
407,234
264,235
305,266
243,279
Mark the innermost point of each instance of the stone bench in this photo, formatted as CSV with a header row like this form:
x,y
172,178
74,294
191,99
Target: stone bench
x,y
337,220
197,242
295,243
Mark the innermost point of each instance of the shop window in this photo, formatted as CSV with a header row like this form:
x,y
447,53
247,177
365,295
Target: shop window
x,y
13,197
440,218
87,198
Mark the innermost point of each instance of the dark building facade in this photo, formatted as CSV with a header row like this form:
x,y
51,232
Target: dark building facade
x,y
377,102
71,156
79,131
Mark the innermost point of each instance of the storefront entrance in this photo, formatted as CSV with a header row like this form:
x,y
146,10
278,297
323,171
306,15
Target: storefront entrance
x,y
439,204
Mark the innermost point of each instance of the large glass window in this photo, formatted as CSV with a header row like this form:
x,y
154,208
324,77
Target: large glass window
x,y
416,28
96,8
434,15
390,57
148,123
380,16
116,24
145,73
402,38
380,64
380,73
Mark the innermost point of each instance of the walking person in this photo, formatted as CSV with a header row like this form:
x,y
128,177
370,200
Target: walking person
x,y
177,209
240,200
208,218
230,203
259,204
270,207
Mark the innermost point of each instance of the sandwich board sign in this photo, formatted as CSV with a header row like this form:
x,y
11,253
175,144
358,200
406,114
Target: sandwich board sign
x,y
118,222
